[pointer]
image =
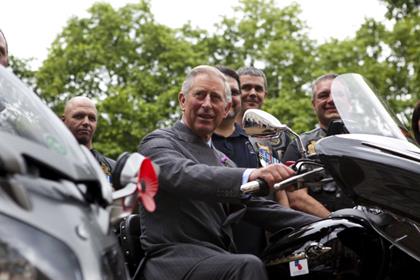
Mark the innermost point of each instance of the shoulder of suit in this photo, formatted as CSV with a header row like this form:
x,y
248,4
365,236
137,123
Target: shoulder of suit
x,y
159,133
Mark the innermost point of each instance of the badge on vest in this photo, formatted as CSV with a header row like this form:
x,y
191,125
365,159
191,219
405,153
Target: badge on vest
x,y
105,168
311,147
266,155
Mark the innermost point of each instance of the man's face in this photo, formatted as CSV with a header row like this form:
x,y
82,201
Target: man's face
x,y
323,103
253,92
235,109
205,106
81,120
4,60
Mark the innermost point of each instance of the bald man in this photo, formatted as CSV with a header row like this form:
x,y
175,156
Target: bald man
x,y
80,116
4,52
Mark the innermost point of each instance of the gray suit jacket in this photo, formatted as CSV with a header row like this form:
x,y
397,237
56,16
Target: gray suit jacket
x,y
196,191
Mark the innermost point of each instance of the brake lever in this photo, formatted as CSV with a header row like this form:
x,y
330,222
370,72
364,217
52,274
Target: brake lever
x,y
297,179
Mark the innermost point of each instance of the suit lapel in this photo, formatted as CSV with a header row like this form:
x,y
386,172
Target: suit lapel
x,y
199,149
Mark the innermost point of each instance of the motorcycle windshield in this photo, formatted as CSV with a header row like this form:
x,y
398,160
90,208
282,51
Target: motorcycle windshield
x,y
24,117
361,110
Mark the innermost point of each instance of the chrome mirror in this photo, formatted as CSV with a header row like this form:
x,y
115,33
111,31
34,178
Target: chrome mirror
x,y
258,123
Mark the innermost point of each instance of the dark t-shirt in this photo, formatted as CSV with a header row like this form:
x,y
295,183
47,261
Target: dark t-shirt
x,y
237,147
249,239
330,195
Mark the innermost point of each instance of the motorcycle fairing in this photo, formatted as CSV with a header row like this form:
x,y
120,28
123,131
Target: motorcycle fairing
x,y
373,175
380,173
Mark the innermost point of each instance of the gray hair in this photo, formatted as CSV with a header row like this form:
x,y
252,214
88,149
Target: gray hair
x,y
4,37
205,69
252,71
7,48
329,76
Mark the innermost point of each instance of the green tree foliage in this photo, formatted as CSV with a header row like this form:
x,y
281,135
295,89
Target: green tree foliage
x,y
388,57
133,66
22,70
363,54
404,41
399,9
275,39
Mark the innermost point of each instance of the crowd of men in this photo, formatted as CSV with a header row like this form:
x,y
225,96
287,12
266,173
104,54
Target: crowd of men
x,y
203,226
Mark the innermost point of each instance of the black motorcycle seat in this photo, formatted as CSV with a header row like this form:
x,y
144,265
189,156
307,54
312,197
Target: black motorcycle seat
x,y
130,241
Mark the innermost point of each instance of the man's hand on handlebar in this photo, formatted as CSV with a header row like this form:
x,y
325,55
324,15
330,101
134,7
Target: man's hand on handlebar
x,y
272,173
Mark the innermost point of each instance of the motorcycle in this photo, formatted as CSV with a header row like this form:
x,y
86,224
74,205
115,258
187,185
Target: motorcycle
x,y
376,166
56,205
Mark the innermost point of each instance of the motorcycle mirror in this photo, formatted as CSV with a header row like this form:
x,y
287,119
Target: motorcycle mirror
x,y
135,173
258,123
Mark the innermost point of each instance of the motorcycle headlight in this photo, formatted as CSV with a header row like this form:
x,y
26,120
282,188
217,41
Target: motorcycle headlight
x,y
28,253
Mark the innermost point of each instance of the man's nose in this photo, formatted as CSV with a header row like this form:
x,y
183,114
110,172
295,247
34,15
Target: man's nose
x,y
330,99
252,91
85,120
207,101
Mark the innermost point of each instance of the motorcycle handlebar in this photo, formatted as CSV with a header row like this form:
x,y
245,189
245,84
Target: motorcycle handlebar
x,y
259,187
296,179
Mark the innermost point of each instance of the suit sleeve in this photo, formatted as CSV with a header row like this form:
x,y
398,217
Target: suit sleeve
x,y
273,217
182,176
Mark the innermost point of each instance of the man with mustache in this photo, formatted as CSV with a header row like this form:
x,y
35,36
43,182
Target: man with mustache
x,y
318,201
189,236
80,116
231,139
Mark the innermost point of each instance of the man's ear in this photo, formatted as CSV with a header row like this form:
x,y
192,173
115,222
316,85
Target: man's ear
x,y
181,100
227,109
62,118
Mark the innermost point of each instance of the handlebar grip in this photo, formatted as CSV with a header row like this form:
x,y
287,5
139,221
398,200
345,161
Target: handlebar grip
x,y
258,187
